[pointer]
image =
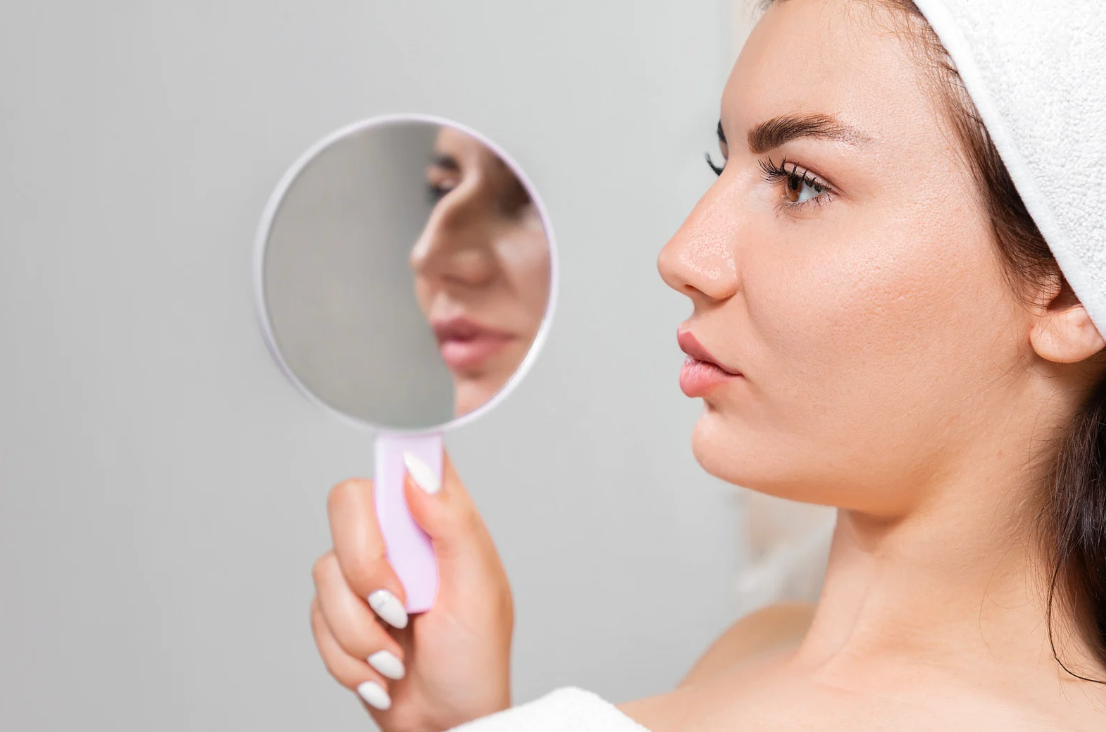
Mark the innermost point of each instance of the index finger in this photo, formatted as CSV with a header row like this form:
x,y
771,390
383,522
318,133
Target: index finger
x,y
358,543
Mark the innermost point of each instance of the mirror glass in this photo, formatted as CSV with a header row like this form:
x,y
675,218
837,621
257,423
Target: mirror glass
x,y
405,272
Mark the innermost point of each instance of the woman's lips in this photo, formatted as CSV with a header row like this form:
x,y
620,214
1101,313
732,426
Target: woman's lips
x,y
697,378
701,372
466,344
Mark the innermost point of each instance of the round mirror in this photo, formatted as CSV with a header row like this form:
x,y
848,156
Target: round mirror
x,y
405,273
405,278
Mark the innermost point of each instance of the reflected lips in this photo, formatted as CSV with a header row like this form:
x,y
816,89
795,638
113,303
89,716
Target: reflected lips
x,y
465,344
701,372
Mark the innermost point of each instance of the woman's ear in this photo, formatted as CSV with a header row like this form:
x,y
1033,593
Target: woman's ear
x,y
1063,331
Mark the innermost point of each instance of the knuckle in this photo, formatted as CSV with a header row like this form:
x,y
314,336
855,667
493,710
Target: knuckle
x,y
322,567
362,573
341,492
470,519
313,618
342,675
358,642
318,629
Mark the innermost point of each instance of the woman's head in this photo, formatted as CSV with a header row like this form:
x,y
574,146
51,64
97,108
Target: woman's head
x,y
481,267
865,263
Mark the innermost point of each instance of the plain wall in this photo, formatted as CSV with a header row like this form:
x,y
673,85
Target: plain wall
x,y
163,486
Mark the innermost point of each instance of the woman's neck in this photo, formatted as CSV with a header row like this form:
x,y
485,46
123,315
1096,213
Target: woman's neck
x,y
947,589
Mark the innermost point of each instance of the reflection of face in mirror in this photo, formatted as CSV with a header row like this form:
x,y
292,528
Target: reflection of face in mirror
x,y
406,274
481,267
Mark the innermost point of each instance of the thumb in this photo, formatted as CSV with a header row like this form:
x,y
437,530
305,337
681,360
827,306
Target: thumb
x,y
444,509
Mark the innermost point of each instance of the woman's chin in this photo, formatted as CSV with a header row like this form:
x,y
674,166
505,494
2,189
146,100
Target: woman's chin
x,y
726,450
714,446
471,394
731,452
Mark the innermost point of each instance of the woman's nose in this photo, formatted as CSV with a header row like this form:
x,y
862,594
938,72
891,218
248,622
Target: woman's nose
x,y
456,243
698,260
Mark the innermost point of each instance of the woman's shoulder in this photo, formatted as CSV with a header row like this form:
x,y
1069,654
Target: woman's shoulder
x,y
754,644
571,708
753,637
567,709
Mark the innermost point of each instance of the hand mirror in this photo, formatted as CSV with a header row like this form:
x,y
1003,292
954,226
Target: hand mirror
x,y
405,278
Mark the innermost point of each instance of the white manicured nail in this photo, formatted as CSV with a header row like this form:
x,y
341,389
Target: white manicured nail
x,y
421,472
388,664
374,694
388,607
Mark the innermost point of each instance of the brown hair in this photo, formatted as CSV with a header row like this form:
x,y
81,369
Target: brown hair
x,y
1071,521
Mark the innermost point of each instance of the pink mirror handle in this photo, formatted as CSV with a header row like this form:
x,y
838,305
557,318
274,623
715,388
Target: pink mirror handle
x,y
408,547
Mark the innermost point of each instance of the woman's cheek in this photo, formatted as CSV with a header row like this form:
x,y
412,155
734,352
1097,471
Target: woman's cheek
x,y
815,332
423,294
524,258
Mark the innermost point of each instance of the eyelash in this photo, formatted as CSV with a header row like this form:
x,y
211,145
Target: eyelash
x,y
436,192
774,173
717,170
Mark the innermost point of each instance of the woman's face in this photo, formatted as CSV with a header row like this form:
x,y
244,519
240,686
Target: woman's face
x,y
481,267
861,301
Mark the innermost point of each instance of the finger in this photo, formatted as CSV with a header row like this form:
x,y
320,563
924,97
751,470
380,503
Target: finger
x,y
354,674
448,515
352,624
359,547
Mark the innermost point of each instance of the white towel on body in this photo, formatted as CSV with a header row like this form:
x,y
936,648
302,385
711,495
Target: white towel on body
x,y
568,709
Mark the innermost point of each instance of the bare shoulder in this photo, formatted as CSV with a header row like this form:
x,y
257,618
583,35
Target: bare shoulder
x,y
760,633
755,637
744,681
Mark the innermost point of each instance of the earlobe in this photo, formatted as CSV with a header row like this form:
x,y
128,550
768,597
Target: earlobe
x,y
1066,336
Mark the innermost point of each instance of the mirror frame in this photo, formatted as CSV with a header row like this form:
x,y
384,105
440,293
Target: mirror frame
x,y
272,207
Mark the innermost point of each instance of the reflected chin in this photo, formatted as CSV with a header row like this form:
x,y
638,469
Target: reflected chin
x,y
475,388
471,394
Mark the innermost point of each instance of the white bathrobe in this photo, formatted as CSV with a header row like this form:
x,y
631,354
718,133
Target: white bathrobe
x,y
568,709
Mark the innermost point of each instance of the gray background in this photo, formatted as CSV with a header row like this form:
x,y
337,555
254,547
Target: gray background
x,y
339,291
163,486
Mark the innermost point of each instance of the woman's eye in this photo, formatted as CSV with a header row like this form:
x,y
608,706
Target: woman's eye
x,y
800,190
514,199
437,192
797,189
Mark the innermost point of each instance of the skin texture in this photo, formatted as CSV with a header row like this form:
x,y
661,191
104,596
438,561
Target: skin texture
x,y
888,372
759,637
483,255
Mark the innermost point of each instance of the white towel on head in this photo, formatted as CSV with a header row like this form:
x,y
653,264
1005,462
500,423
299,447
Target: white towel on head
x,y
1036,70
568,709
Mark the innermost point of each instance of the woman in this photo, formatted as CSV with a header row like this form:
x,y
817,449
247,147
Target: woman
x,y
878,325
481,267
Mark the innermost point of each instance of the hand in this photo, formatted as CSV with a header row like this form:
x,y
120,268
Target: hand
x,y
430,671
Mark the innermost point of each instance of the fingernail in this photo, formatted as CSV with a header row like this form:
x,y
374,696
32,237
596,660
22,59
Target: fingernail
x,y
374,694
424,477
387,663
388,607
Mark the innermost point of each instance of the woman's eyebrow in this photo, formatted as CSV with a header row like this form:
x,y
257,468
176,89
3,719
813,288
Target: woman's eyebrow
x,y
442,160
773,133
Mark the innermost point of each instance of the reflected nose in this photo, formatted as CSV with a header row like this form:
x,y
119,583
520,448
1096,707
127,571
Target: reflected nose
x,y
456,243
698,261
